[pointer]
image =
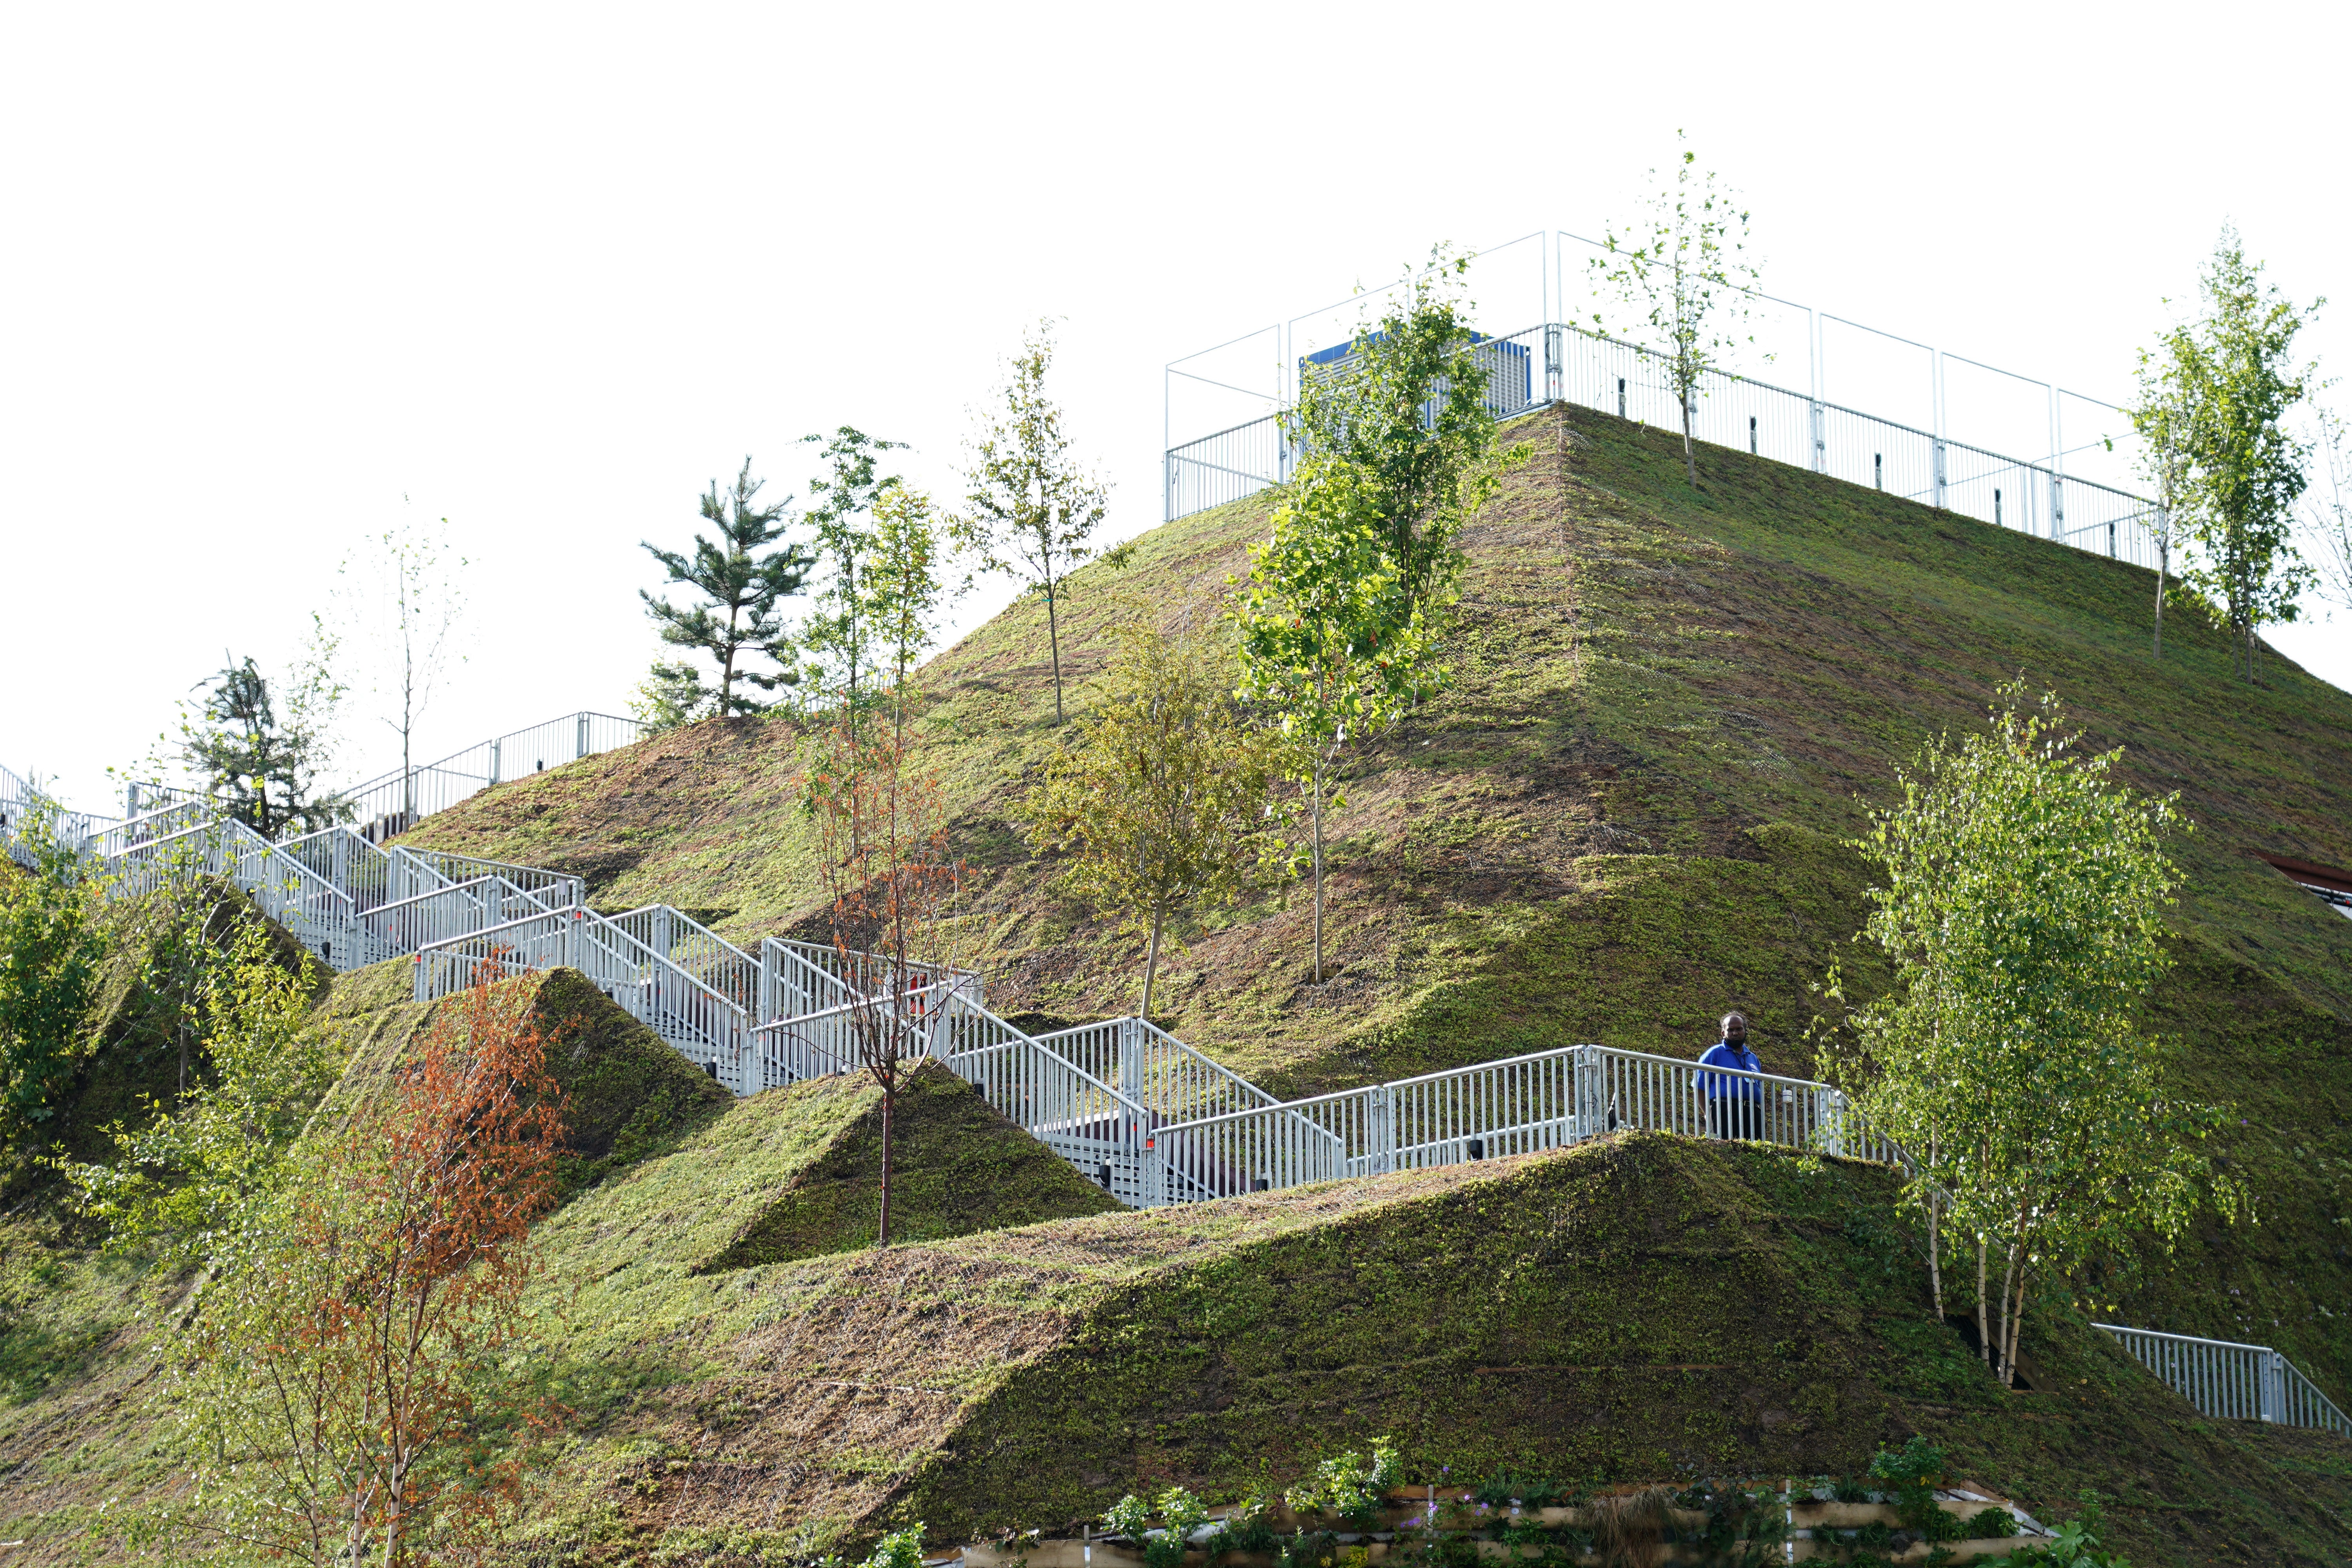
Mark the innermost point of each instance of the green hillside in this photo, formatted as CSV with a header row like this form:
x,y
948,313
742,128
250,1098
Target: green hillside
x,y
1623,815
1645,1307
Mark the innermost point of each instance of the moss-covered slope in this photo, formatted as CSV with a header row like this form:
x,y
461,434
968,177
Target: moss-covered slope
x,y
1645,1308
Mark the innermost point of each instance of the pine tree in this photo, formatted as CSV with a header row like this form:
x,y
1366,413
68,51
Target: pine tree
x,y
264,761
734,578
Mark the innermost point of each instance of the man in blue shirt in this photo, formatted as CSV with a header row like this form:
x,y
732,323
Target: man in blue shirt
x,y
1735,1106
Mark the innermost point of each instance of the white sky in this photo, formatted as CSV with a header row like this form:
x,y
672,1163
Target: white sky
x,y
546,271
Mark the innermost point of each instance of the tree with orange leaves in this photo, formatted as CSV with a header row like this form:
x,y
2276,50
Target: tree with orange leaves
x,y
341,1369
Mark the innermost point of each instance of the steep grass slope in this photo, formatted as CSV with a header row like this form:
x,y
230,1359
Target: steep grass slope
x,y
1644,1307
82,1411
1624,815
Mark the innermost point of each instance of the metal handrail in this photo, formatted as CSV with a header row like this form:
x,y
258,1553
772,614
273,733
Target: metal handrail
x,y
2230,1381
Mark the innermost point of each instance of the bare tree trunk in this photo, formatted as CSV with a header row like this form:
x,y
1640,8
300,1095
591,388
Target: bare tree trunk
x,y
1054,642
1984,1325
1690,457
1935,1262
2163,556
2016,1324
2008,1277
889,1098
1317,813
1152,960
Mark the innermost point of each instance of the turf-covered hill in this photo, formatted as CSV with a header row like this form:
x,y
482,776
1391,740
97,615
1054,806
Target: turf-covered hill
x,y
1623,815
711,1184
1646,1306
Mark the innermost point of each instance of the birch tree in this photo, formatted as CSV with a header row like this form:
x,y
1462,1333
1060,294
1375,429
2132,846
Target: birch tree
x,y
835,634
1682,276
1406,409
2164,414
1166,802
1332,640
2245,468
404,596
2020,903
1031,507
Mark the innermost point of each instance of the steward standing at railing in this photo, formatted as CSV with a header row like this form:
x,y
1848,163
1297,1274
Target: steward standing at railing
x,y
1735,1106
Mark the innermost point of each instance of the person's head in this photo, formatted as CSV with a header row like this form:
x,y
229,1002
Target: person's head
x,y
1734,1029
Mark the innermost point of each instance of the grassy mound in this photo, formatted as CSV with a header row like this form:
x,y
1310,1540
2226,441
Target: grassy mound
x,y
957,1167
1644,1307
1625,814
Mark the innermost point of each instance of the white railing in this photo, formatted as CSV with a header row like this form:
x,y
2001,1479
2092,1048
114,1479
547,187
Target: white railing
x,y
1545,1099
1101,1131
1596,372
798,977
2232,1381
706,1027
696,949
842,1038
392,803
21,803
548,889
1155,1069
443,914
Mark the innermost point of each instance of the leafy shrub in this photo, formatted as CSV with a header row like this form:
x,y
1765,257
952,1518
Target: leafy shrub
x,y
1130,1516
899,1549
1350,1486
1912,1474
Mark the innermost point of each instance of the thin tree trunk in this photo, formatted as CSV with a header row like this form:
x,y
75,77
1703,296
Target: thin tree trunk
x,y
2016,1322
2162,560
1935,1262
1152,960
1984,1325
1053,641
1690,457
1319,870
2008,1277
890,1095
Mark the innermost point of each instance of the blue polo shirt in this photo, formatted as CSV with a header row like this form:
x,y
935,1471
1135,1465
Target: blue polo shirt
x,y
1724,1053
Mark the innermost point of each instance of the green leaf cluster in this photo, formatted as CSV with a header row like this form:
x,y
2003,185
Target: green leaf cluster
x,y
50,951
183,1179
2213,397
1351,1485
1166,800
2020,906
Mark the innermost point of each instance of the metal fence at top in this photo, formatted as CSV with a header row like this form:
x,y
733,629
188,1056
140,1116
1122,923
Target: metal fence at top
x,y
389,805
2232,1381
1568,363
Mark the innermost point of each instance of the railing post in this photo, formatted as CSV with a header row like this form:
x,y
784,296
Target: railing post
x,y
2274,1387
1555,379
767,991
1821,439
1588,1121
581,750
2057,507
1939,474
494,762
1380,1132
1131,1065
